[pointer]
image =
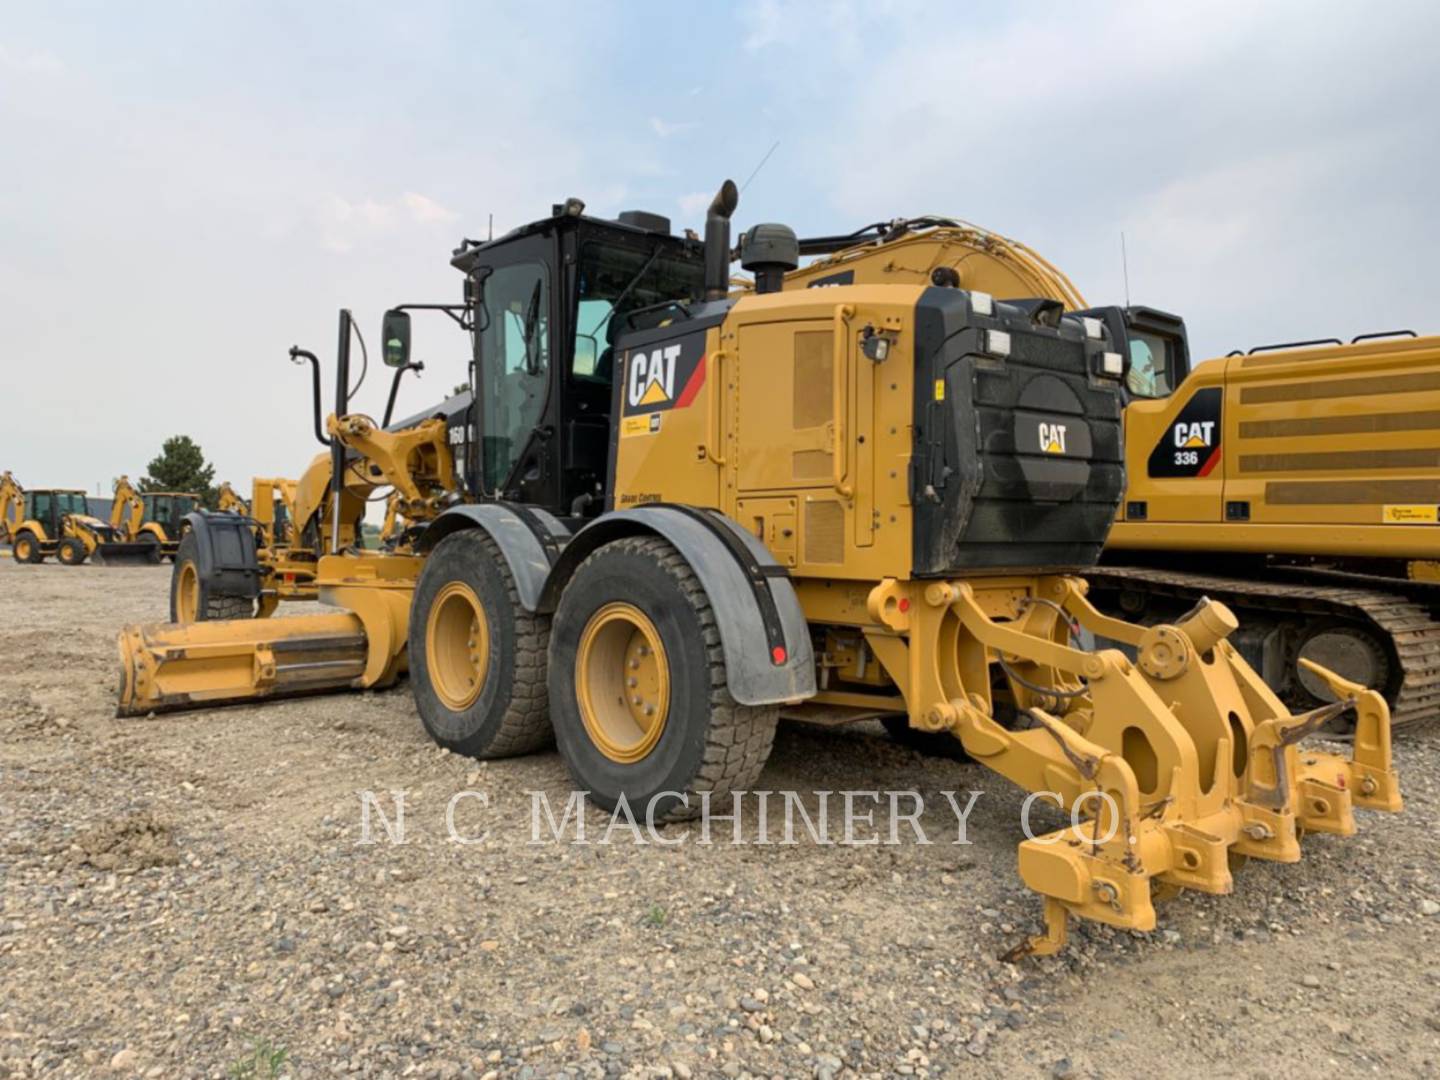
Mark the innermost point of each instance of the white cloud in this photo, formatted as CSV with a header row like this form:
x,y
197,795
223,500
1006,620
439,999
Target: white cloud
x,y
345,223
694,204
665,128
35,61
425,210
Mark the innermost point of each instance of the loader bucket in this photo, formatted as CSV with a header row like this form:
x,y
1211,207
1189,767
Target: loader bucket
x,y
131,553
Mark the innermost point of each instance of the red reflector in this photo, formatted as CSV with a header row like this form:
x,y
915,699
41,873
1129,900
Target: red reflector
x,y
1340,780
904,605
778,654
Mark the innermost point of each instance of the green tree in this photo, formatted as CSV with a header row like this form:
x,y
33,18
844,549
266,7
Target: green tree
x,y
181,466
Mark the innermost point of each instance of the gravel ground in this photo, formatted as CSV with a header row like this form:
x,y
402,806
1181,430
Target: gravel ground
x,y
182,894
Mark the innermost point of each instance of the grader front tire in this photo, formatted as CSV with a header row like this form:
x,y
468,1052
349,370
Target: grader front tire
x,y
191,601
638,687
477,657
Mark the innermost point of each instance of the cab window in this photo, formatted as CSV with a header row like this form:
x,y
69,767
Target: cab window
x,y
1152,366
515,361
631,278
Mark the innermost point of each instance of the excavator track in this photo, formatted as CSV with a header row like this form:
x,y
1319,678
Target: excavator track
x,y
1405,622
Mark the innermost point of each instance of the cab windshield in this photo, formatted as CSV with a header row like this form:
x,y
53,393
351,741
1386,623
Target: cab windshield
x,y
1151,365
166,509
71,502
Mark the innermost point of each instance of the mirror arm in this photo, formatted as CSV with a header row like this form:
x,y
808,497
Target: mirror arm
x,y
297,355
417,367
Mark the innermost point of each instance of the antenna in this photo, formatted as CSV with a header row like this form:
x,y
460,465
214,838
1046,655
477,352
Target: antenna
x,y
763,160
1125,267
491,235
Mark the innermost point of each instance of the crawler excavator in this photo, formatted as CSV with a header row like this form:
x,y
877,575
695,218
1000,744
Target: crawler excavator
x,y
1317,521
44,522
667,535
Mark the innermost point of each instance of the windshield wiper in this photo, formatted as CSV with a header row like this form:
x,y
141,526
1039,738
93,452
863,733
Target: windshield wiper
x,y
615,306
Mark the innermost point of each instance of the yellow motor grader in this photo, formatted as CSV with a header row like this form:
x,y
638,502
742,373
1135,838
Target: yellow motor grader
x,y
50,521
686,511
238,564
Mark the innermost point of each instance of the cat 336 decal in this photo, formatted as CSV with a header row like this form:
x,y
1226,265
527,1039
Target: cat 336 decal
x,y
1191,445
666,375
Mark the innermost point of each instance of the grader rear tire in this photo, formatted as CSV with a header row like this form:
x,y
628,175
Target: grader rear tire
x,y
638,687
191,600
71,552
477,657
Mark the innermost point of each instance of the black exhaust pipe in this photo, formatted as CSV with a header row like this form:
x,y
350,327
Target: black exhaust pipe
x,y
717,241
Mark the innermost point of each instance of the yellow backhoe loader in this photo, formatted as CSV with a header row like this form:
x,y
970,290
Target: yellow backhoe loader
x,y
1318,521
45,522
684,511
152,518
228,501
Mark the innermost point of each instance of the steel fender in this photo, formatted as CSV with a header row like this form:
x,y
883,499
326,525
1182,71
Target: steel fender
x,y
530,546
225,553
751,674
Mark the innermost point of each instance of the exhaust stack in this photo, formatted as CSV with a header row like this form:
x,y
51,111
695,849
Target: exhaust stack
x,y
717,241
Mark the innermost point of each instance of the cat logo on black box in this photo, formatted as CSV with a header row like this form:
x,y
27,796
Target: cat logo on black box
x,y
665,375
1052,437
1191,444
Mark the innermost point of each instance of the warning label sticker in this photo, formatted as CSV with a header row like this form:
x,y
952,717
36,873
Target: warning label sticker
x,y
646,424
1410,514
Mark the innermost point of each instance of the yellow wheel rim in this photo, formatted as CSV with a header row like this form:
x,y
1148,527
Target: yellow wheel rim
x,y
187,594
22,549
622,681
457,646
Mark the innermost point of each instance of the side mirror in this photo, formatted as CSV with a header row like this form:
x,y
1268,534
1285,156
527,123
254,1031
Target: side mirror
x,y
395,338
587,352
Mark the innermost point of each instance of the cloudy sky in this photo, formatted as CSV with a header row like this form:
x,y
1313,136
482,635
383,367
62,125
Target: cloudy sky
x,y
189,189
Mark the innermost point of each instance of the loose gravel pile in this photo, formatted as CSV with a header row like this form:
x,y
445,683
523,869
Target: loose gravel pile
x,y
189,896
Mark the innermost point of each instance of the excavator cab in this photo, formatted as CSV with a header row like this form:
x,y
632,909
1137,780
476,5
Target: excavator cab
x,y
550,298
1154,345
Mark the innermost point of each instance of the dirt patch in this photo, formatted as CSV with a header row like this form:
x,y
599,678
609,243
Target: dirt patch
x,y
132,843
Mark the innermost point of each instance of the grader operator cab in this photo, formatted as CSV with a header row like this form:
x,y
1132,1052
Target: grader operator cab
x,y
46,522
684,511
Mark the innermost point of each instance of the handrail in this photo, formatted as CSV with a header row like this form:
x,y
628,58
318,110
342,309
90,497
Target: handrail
x,y
715,415
840,379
